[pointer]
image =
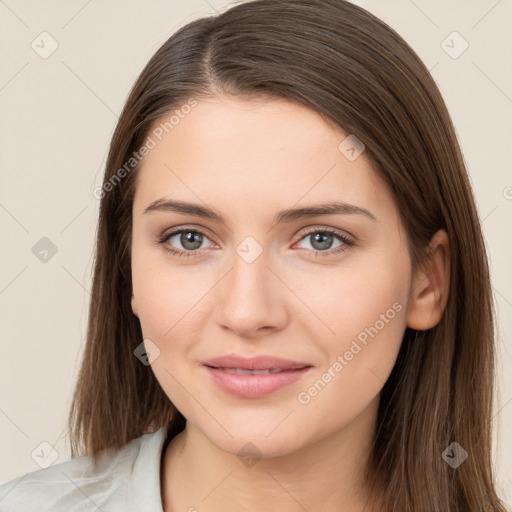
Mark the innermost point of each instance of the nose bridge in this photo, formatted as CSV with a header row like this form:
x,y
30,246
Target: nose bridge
x,y
248,299
250,273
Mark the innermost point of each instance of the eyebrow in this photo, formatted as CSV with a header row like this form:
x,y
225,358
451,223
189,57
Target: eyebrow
x,y
289,215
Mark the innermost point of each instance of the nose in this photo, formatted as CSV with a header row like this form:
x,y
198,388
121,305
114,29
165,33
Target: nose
x,y
251,299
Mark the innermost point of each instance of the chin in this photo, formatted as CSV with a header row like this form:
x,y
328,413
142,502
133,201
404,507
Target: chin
x,y
255,442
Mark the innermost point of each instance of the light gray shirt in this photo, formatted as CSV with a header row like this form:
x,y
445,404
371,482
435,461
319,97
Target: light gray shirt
x,y
124,480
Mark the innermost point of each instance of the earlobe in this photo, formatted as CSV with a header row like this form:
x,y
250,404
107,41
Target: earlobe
x,y
430,287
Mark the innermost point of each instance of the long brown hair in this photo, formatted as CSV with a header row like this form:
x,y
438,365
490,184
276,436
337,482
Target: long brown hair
x,y
353,70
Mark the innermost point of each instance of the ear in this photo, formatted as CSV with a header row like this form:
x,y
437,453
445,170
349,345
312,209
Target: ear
x,y
430,287
134,306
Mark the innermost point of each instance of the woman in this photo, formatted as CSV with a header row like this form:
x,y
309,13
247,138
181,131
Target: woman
x,y
291,304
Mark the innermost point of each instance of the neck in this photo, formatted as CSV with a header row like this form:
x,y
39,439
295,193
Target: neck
x,y
196,474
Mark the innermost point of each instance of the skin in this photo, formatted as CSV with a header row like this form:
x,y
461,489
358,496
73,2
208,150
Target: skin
x,y
248,161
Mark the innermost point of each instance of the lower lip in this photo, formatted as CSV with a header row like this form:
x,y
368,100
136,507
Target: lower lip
x,y
254,386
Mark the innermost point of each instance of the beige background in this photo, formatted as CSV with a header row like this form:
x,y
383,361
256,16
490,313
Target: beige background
x,y
58,114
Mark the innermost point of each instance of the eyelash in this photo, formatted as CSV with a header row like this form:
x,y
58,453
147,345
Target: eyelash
x,y
187,254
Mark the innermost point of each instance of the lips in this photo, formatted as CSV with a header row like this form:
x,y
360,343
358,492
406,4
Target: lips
x,y
254,377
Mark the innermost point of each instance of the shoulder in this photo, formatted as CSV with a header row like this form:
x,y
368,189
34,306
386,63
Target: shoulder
x,y
118,481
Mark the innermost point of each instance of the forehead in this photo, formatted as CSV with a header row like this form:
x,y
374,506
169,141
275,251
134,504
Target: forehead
x,y
274,152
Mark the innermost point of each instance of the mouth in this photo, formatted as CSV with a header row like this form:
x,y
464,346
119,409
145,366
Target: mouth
x,y
256,377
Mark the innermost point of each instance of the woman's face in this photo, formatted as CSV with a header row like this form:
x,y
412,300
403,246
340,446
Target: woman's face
x,y
263,283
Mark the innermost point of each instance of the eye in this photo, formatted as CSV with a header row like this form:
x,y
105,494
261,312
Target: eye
x,y
190,239
322,240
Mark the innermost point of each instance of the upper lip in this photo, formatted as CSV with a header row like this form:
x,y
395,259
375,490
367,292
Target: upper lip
x,y
265,362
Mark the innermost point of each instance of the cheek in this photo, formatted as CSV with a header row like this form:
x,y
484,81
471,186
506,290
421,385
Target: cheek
x,y
366,312
358,363
169,306
355,296
168,295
